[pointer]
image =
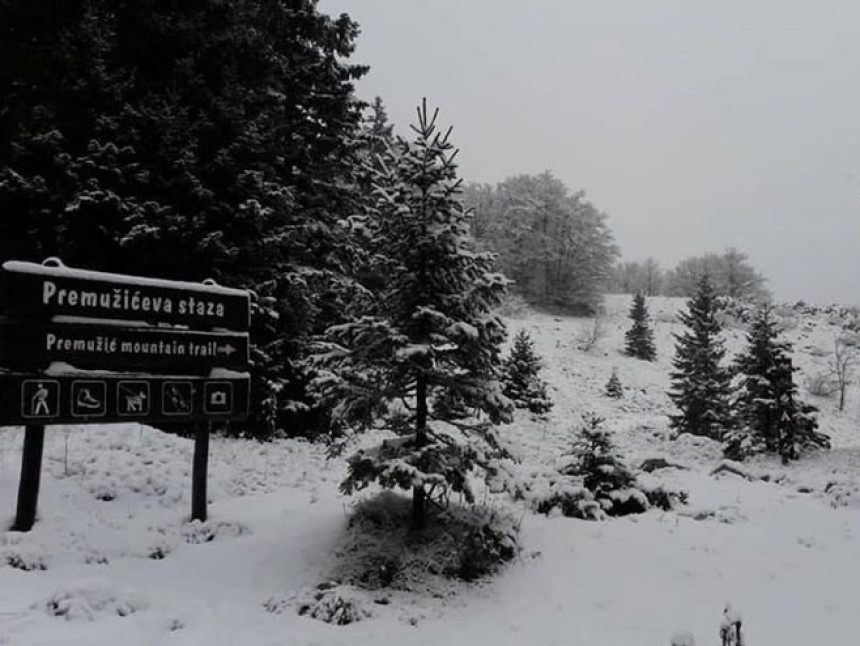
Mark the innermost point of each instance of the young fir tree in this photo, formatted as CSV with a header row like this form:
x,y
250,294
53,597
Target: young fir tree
x,y
429,334
521,377
640,337
700,385
613,386
768,415
604,474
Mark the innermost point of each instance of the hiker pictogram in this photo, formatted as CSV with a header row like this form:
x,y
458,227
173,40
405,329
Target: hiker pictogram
x,y
40,398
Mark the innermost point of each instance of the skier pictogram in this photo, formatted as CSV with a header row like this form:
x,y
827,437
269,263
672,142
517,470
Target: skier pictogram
x,y
177,398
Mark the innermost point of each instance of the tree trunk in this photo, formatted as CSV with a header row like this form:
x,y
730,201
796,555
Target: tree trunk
x,y
419,502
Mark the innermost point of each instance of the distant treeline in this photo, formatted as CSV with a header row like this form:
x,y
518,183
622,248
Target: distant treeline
x,y
730,273
555,245
558,249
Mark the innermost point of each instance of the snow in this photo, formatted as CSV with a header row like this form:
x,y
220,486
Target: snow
x,y
113,558
61,271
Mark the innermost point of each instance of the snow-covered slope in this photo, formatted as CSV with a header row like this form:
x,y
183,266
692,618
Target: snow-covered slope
x,y
113,559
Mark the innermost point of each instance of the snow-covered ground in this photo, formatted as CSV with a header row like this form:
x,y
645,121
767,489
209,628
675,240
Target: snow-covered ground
x,y
113,560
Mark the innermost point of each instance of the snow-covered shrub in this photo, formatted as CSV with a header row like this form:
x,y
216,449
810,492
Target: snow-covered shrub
x,y
88,599
590,336
843,493
649,465
665,499
546,491
196,532
334,603
604,475
486,546
160,550
463,543
95,557
570,501
822,384
592,482
26,560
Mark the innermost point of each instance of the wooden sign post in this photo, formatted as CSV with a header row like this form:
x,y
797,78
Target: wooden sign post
x,y
176,352
31,474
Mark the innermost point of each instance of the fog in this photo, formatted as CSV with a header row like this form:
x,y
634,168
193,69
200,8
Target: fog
x,y
694,127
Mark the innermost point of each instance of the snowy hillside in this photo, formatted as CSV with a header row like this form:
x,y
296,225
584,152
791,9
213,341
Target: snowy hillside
x,y
113,560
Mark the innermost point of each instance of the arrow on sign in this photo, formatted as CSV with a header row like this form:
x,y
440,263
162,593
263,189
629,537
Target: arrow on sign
x,y
225,349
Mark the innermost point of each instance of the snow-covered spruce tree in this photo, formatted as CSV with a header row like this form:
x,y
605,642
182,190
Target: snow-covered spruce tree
x,y
613,386
521,382
592,482
604,474
427,335
700,385
640,337
768,415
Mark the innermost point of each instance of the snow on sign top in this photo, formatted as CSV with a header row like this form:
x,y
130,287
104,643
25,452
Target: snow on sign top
x,y
41,291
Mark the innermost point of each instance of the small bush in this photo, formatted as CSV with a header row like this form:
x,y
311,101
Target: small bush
x,y
594,483
460,543
25,561
572,502
650,465
89,599
484,549
822,384
197,532
334,604
665,499
592,334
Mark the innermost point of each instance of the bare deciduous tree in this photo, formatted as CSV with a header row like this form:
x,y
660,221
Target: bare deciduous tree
x,y
845,356
590,336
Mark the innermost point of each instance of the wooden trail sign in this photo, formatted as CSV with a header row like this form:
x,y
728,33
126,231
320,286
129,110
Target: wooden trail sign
x,y
105,398
29,290
34,345
93,322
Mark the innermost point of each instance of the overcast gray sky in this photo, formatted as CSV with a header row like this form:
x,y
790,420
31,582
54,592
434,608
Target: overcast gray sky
x,y
696,126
